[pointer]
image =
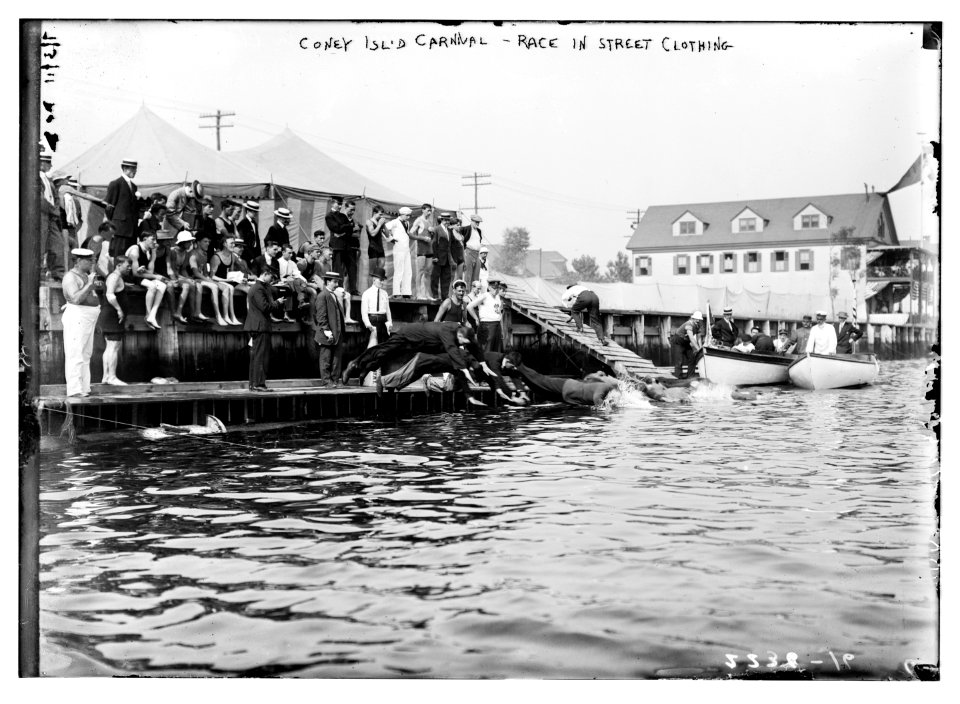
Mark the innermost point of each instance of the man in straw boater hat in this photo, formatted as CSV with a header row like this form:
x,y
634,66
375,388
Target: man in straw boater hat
x,y
247,231
278,231
122,208
260,306
331,328
725,331
79,322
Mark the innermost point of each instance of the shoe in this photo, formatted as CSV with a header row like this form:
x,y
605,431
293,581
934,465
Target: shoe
x,y
606,343
348,372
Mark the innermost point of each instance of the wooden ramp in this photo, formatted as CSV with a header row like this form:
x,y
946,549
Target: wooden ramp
x,y
554,321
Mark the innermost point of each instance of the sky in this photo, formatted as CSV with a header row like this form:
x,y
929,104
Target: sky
x,y
572,138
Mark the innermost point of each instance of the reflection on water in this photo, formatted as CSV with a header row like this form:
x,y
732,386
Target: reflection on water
x,y
634,541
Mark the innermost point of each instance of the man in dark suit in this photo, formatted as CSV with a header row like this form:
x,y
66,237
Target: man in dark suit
x,y
725,331
122,208
278,231
331,329
847,334
340,228
443,261
247,231
260,305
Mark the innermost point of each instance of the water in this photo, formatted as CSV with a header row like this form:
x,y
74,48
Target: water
x,y
630,541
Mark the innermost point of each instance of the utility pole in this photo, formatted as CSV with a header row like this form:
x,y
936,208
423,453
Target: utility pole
x,y
635,216
217,126
475,177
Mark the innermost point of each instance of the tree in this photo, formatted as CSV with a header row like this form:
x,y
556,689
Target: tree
x,y
586,268
619,269
512,258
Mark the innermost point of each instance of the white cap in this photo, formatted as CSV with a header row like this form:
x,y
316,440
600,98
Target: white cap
x,y
81,252
185,236
822,312
483,249
405,210
697,315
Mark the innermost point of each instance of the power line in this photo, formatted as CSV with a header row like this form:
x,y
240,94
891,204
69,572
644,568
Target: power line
x,y
476,186
635,217
217,126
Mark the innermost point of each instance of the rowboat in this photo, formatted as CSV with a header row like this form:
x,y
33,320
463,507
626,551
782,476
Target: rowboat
x,y
833,371
732,368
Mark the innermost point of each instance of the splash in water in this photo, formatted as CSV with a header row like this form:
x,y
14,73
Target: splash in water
x,y
628,395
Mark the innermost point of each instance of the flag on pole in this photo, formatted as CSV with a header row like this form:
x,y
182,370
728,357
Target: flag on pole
x,y
911,177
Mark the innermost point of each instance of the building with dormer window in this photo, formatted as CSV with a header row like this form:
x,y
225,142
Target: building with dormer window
x,y
781,245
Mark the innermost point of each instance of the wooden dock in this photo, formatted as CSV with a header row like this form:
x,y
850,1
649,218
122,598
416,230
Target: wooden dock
x,y
141,406
554,321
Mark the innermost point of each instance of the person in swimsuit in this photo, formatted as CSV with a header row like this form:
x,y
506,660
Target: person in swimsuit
x,y
112,318
588,392
225,262
454,309
220,291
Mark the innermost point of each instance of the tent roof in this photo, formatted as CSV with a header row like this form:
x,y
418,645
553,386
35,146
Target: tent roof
x,y
293,162
163,154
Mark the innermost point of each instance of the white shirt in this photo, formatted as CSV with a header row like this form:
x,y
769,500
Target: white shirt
x,y
474,242
571,295
288,267
398,233
374,300
490,308
822,340
48,189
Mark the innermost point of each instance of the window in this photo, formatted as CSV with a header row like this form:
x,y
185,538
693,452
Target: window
x,y
729,263
681,264
643,266
688,227
778,261
705,264
805,260
751,262
810,222
748,224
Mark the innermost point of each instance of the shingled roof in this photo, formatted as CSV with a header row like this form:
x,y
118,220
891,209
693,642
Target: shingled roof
x,y
860,211
551,265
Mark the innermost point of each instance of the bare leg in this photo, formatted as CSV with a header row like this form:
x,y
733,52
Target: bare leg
x,y
159,289
197,300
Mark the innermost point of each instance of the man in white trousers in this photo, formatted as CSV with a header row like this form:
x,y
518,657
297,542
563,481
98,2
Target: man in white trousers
x,y
79,322
402,269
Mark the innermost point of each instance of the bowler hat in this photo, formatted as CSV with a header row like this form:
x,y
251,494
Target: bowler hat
x,y
379,273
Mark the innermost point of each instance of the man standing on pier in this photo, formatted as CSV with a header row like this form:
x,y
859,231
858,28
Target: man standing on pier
x,y
79,322
847,334
443,261
375,308
122,208
260,305
331,329
422,232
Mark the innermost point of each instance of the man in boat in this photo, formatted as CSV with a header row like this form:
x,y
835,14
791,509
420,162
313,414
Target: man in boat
x,y
685,341
762,343
847,334
784,341
801,336
725,332
417,337
823,337
590,391
582,300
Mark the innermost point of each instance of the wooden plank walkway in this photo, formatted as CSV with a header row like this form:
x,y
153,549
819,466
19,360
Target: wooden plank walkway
x,y
554,321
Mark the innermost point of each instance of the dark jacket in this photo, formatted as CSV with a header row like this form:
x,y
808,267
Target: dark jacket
x,y
248,233
847,334
723,334
341,231
328,315
441,243
260,263
278,234
763,344
122,206
467,232
437,338
260,303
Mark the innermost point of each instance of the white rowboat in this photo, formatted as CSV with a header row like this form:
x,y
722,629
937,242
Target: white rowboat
x,y
732,368
834,371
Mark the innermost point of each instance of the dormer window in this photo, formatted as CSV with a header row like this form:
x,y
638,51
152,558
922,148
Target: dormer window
x,y
688,224
811,218
747,221
810,222
748,224
688,227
